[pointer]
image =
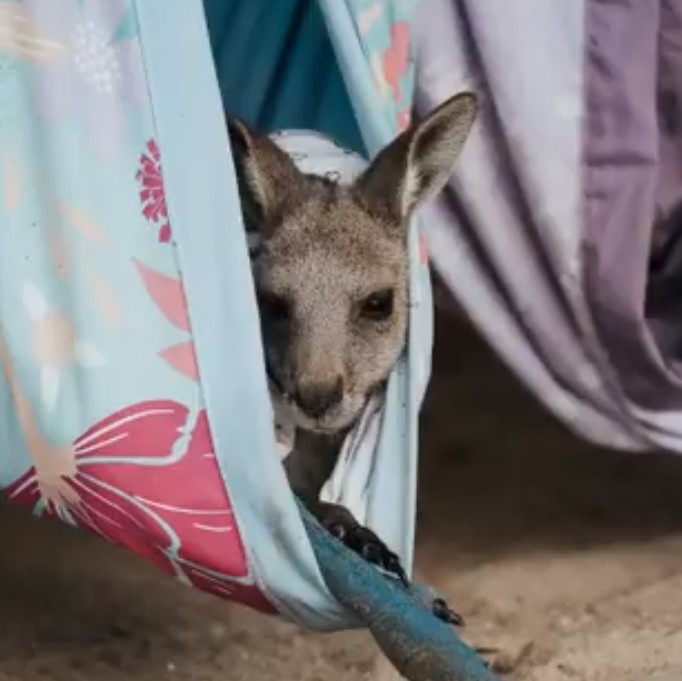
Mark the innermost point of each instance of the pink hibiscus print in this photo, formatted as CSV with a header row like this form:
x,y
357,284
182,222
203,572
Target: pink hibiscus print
x,y
152,192
147,479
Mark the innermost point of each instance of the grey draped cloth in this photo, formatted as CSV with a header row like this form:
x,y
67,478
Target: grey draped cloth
x,y
560,233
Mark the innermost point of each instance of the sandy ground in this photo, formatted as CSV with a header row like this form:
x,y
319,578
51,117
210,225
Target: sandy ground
x,y
567,559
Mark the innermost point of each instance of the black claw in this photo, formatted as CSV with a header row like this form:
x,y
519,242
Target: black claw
x,y
338,531
443,612
374,551
371,553
364,542
392,565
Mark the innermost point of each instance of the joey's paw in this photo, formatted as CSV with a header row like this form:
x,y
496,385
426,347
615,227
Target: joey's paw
x,y
366,544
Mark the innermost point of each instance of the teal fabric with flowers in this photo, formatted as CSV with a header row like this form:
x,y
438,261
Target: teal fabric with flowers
x,y
129,340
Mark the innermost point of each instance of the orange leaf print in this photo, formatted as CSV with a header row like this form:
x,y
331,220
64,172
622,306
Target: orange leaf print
x,y
181,357
54,465
369,17
383,87
107,302
21,36
167,293
82,222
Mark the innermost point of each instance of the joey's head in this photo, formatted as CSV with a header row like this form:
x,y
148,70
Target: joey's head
x,y
331,268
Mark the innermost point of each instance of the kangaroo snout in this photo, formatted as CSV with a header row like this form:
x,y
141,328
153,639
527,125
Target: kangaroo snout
x,y
315,399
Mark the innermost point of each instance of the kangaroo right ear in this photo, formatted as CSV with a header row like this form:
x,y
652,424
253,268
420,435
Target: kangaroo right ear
x,y
418,163
268,179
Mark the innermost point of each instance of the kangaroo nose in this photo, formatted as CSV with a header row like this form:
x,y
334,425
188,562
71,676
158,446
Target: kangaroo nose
x,y
315,399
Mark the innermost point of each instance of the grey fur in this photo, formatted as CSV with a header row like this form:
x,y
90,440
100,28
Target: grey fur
x,y
330,259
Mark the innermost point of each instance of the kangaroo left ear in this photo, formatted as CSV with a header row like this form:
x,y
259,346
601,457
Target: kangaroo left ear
x,y
268,179
418,163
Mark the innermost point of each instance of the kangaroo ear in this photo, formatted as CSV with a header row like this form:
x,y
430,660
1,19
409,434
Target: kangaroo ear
x,y
418,163
268,179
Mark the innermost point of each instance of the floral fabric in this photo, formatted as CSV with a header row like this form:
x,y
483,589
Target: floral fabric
x,y
103,410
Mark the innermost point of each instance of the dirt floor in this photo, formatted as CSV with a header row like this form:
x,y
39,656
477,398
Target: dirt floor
x,y
567,559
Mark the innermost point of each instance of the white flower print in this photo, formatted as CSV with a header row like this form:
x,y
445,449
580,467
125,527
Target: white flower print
x,y
55,344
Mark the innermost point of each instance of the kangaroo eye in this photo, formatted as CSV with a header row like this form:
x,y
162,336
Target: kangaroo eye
x,y
274,307
378,307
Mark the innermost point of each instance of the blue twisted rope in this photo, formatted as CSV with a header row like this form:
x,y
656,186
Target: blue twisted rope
x,y
419,645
